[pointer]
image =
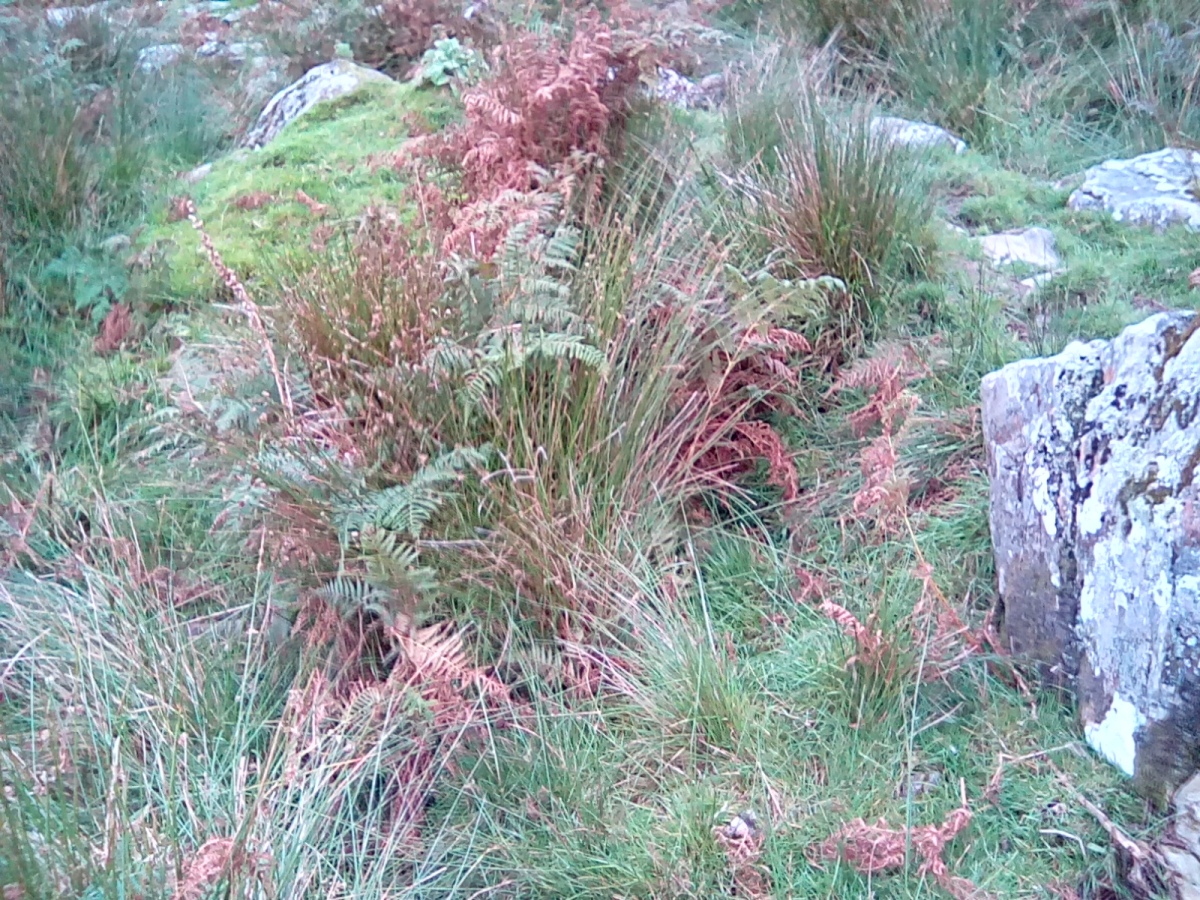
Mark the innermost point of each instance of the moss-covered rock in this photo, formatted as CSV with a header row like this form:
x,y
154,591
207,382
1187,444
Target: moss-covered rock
x,y
264,206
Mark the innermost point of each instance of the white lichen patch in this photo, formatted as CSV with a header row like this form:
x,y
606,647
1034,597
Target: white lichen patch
x,y
1115,737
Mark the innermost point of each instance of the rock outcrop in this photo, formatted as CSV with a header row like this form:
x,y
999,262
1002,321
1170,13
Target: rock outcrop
x,y
327,81
1155,189
1095,514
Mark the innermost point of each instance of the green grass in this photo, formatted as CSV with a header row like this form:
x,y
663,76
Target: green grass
x,y
170,674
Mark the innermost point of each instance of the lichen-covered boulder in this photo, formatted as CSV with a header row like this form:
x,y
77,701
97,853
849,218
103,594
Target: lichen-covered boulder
x,y
1155,189
1095,514
906,133
327,81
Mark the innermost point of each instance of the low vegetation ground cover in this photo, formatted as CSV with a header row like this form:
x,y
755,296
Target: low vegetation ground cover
x,y
513,487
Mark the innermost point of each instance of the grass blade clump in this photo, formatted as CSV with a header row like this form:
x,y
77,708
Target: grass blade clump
x,y
831,194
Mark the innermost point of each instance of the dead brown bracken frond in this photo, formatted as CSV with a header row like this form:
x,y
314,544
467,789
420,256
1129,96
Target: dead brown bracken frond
x,y
743,849
876,848
216,858
546,120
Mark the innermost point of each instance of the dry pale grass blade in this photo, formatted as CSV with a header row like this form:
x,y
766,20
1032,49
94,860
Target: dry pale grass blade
x,y
314,207
949,640
868,641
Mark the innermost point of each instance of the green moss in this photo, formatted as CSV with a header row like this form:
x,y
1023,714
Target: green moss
x,y
993,198
329,154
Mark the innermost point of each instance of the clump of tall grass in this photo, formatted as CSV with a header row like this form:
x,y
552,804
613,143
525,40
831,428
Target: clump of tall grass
x,y
954,63
598,349
1149,78
830,194
611,371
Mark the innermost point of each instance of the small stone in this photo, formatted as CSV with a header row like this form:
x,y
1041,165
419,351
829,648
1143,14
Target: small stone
x,y
680,91
918,783
61,15
159,56
738,829
198,173
906,133
1034,247
1034,282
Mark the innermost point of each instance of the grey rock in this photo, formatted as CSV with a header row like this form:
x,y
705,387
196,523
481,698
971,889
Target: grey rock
x,y
327,81
679,90
159,56
236,15
1095,519
907,133
1181,849
918,784
214,8
236,52
120,14
198,174
1034,247
1153,189
1034,282
742,826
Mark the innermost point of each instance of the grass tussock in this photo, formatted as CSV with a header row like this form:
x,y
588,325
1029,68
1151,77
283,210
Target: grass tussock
x,y
829,194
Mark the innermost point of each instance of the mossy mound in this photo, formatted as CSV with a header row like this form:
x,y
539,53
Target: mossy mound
x,y
260,207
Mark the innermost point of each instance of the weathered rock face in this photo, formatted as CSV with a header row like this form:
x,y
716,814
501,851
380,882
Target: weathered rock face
x,y
906,133
1095,513
1153,189
324,82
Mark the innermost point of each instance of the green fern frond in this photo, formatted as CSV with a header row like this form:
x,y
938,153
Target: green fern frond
x,y
350,595
550,316
448,358
450,465
233,414
389,547
562,248
480,382
567,346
